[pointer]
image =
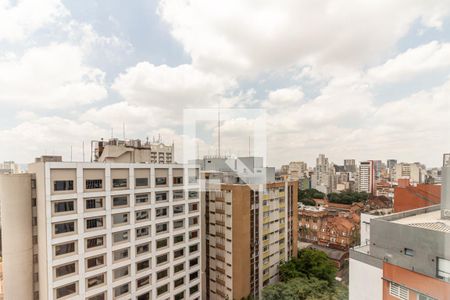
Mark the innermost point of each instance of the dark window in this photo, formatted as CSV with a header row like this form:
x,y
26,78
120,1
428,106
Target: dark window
x,y
193,289
94,184
142,265
161,243
141,181
63,185
96,280
120,236
178,253
179,194
64,206
161,211
119,183
409,252
141,198
66,290
93,203
142,231
121,290
178,209
161,259
145,296
161,227
64,227
65,248
178,224
161,180
121,272
142,215
193,248
97,297
142,248
162,274
179,296
178,268
162,289
120,201
178,180
120,254
94,242
120,218
193,276
65,270
161,196
94,223
95,261
193,234
178,238
178,282
143,281
193,262
193,194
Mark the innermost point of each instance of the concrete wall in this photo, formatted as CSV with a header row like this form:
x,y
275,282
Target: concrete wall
x,y
16,218
365,281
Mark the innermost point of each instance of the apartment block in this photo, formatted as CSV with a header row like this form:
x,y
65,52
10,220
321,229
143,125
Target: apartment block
x,y
407,256
101,231
249,229
366,177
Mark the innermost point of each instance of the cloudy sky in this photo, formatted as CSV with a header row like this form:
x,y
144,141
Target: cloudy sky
x,y
348,78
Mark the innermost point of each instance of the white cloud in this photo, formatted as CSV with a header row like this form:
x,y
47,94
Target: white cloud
x,y
50,77
421,60
170,87
20,20
284,98
250,37
49,135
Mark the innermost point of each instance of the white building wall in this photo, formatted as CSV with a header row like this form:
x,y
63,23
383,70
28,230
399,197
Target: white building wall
x,y
365,281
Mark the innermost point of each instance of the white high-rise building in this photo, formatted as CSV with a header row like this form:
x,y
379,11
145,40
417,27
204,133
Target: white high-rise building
x,y
322,175
415,172
366,177
100,231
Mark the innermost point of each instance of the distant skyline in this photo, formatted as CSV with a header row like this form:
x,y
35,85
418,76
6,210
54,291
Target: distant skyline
x,y
350,79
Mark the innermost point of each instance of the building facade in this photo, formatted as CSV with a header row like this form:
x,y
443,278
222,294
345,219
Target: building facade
x,y
101,231
249,230
366,177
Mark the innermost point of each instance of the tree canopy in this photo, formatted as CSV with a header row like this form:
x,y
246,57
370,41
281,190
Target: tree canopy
x,y
348,197
306,196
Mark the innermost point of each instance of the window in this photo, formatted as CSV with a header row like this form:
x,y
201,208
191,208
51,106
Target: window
x,y
119,219
179,194
178,253
161,212
141,199
64,206
121,272
63,249
162,243
93,184
121,254
64,227
409,252
398,291
95,261
160,180
193,194
443,269
424,297
65,270
178,224
120,201
193,234
66,290
101,296
161,259
145,296
178,282
193,179
141,249
178,209
95,280
121,236
94,223
178,268
142,231
193,207
95,242
161,196
142,215
193,221
179,296
141,182
193,276
178,180
162,289
193,248
193,289
119,183
63,185
142,265
161,227
143,281
162,274
94,203
178,238
121,290
193,262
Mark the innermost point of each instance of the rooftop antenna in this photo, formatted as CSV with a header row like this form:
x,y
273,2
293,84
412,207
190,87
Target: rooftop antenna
x,y
112,132
83,151
123,130
71,153
159,137
249,146
218,129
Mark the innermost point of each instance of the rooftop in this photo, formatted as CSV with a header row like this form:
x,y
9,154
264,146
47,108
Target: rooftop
x,y
430,220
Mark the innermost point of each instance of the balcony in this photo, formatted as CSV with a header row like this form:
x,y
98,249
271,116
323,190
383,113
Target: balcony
x,y
220,258
220,281
220,222
220,246
220,211
220,270
220,234
220,293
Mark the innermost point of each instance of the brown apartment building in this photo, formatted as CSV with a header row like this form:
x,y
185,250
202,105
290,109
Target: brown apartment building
x,y
248,230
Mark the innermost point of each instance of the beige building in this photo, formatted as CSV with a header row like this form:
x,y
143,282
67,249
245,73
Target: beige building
x,y
132,151
101,231
298,170
249,229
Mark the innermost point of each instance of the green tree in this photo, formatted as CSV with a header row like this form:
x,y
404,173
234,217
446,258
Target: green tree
x,y
314,263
